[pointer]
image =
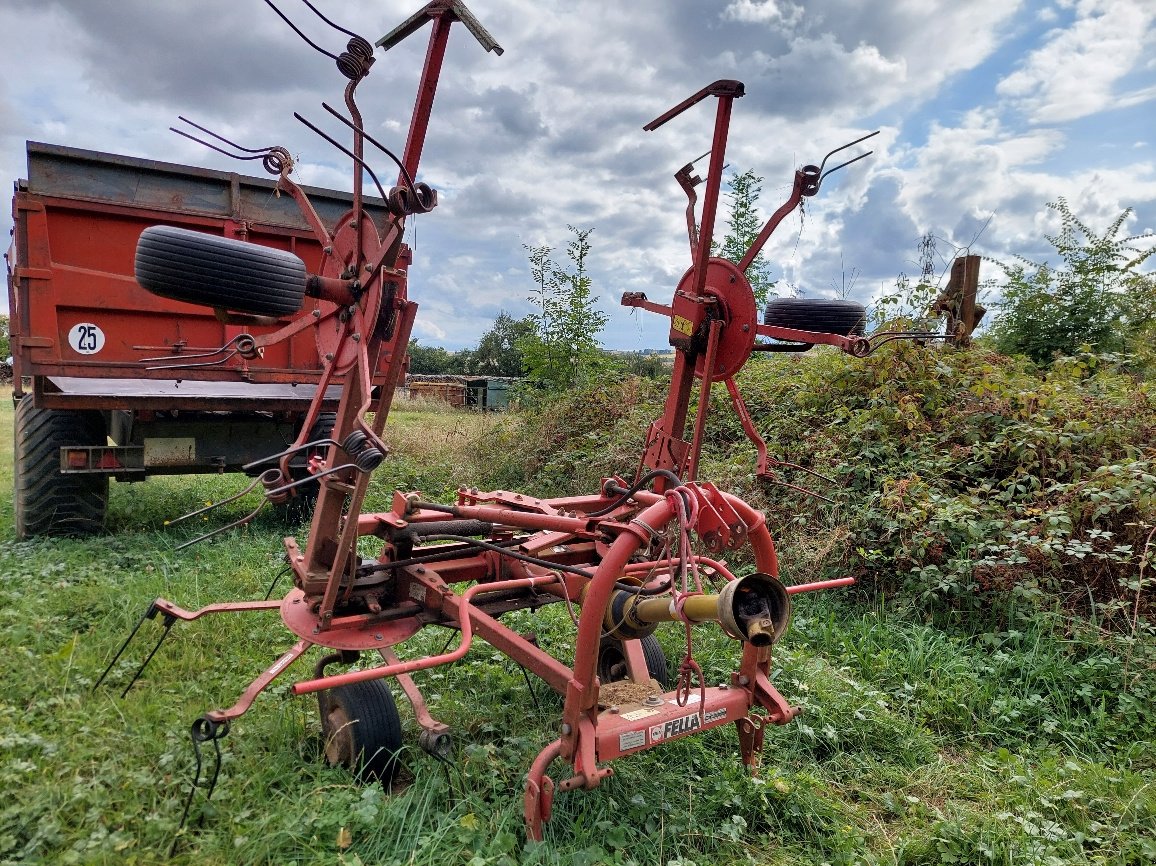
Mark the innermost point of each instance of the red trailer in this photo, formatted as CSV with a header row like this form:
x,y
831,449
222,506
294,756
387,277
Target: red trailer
x,y
97,358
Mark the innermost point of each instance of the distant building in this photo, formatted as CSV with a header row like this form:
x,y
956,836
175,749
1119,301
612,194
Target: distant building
x,y
489,394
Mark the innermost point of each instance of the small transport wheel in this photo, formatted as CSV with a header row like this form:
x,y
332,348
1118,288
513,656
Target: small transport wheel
x,y
48,502
612,660
362,729
200,268
816,314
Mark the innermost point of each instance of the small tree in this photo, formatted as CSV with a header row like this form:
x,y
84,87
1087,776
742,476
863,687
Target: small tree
x,y
498,352
563,350
1097,295
432,360
745,225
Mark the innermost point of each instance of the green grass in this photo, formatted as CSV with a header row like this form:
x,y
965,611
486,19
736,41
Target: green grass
x,y
919,745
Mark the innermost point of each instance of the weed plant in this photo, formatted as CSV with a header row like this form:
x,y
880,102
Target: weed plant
x,y
969,715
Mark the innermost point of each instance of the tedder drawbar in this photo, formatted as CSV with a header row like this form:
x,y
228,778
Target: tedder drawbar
x,y
634,554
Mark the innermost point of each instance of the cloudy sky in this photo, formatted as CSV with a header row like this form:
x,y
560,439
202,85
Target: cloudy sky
x,y
988,110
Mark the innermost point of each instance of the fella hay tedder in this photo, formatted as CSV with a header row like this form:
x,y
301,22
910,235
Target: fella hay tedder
x,y
637,553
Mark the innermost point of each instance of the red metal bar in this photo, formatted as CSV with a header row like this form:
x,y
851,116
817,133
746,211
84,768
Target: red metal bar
x,y
261,683
773,223
713,186
703,399
427,89
167,607
465,624
820,584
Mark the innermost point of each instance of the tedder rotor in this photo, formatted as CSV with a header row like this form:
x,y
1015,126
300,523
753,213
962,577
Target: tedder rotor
x,y
638,552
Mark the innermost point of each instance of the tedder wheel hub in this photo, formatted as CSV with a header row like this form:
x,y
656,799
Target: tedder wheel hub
x,y
729,298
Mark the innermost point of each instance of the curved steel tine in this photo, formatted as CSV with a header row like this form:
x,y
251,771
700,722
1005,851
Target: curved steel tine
x,y
374,142
297,30
337,27
361,162
304,446
842,165
312,477
225,528
194,366
844,147
204,143
223,348
225,501
889,337
256,150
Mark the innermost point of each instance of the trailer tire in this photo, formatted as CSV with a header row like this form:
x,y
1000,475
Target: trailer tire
x,y
815,314
46,501
300,507
362,729
612,661
200,268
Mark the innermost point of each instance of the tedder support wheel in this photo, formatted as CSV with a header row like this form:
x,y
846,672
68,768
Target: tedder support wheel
x,y
612,660
48,502
815,314
205,269
362,729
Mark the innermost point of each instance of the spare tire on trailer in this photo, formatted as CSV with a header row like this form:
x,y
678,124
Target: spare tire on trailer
x,y
48,502
213,271
816,314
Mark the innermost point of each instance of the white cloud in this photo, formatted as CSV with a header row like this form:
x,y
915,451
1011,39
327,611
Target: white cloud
x,y
1075,72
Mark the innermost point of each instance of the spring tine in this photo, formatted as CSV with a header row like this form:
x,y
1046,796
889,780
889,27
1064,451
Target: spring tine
x,y
194,366
204,143
169,620
150,612
210,354
361,162
405,172
225,501
224,528
202,730
257,150
842,165
337,27
305,446
844,147
297,30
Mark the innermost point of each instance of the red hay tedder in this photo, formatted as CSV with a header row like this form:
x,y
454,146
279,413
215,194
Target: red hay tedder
x,y
624,559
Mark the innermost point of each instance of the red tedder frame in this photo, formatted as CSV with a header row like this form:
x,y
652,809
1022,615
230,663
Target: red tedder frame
x,y
623,560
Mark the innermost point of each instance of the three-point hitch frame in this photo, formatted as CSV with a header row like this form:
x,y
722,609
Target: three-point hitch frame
x,y
623,560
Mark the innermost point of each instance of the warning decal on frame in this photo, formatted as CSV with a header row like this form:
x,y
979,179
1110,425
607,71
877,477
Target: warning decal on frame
x,y
631,740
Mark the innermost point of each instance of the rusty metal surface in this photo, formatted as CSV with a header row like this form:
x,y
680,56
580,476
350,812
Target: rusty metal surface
x,y
89,175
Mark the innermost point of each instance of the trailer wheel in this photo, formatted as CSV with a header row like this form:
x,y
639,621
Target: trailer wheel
x,y
301,506
46,501
362,729
199,268
612,659
815,314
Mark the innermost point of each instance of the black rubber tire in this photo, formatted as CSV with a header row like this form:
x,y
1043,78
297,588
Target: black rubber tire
x,y
301,506
815,314
362,729
199,268
46,501
612,662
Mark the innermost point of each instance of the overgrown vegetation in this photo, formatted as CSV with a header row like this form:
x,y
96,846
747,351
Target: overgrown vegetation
x,y
984,696
1098,295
